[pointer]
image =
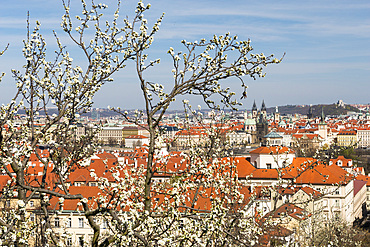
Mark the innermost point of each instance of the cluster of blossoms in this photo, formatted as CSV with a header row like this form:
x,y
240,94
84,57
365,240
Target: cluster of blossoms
x,y
160,213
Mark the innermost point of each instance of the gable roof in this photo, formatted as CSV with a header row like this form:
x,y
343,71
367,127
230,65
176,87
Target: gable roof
x,y
364,178
310,191
290,210
311,171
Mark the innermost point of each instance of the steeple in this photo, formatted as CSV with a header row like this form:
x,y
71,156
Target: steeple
x,y
323,131
263,108
322,116
310,112
254,107
254,110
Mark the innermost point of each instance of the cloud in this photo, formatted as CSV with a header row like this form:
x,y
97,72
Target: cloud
x,y
305,18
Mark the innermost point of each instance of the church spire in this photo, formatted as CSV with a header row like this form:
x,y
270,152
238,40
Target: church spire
x,y
254,107
263,108
322,115
310,112
254,110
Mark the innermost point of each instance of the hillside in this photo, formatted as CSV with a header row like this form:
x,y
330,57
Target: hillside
x,y
331,109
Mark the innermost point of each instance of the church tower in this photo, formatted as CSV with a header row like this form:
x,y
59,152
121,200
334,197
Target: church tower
x,y
261,124
254,110
310,112
323,127
277,115
263,109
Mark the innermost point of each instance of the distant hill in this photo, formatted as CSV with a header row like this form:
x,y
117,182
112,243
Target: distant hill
x,y
332,109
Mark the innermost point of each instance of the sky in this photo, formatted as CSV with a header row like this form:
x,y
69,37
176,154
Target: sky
x,y
326,45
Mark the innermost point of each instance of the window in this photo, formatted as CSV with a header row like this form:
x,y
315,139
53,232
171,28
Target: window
x,y
31,204
32,217
69,222
56,222
80,222
69,242
81,241
268,165
336,203
337,191
104,224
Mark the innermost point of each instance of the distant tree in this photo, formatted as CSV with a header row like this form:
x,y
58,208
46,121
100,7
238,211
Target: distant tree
x,y
332,232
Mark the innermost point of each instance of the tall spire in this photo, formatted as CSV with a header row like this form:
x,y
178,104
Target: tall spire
x,y
254,107
254,110
310,112
322,115
263,108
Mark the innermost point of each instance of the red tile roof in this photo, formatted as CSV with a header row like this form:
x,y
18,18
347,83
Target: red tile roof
x,y
341,158
364,178
310,171
310,191
137,137
272,150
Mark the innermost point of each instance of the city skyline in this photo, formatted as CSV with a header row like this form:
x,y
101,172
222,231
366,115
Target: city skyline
x,y
326,46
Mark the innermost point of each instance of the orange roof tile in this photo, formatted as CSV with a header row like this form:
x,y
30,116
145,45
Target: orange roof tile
x,y
309,171
364,178
272,150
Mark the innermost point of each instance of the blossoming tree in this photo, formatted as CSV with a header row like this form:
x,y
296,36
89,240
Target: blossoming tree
x,y
140,211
